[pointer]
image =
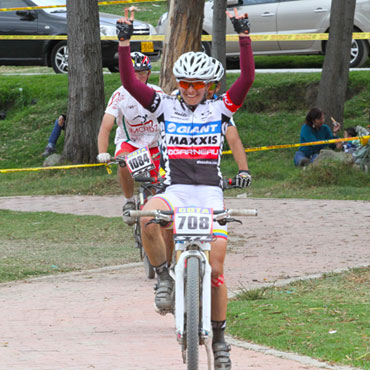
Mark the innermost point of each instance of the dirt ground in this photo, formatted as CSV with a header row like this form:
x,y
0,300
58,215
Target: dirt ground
x,y
105,319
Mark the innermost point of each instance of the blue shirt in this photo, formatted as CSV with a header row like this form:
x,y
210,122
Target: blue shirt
x,y
309,134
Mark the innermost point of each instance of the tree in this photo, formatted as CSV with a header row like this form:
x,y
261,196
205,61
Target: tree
x,y
183,34
335,73
86,85
219,36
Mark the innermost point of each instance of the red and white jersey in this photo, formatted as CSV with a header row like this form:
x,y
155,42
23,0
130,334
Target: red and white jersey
x,y
136,125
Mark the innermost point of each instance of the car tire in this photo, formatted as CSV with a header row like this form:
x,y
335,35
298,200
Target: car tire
x,y
207,48
59,57
359,53
113,69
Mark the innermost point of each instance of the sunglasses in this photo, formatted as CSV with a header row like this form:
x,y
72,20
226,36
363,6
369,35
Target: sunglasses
x,y
197,85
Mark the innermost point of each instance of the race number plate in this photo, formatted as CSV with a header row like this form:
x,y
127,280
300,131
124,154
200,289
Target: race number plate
x,y
147,47
139,161
194,223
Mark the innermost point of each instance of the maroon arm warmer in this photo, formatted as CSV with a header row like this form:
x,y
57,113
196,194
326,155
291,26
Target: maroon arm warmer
x,y
140,91
241,86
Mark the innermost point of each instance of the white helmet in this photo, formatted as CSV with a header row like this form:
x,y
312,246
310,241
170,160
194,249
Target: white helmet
x,y
194,65
218,70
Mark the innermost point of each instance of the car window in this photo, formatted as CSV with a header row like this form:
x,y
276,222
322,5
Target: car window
x,y
12,4
51,2
254,2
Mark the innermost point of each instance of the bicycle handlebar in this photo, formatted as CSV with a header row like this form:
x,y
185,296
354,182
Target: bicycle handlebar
x,y
227,212
145,179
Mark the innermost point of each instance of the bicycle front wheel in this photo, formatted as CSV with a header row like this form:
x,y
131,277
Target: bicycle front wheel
x,y
192,313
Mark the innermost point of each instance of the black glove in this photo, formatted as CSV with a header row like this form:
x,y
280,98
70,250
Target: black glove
x,y
124,31
241,25
243,179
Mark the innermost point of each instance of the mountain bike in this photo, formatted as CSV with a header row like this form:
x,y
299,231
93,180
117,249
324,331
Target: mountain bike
x,y
139,164
192,273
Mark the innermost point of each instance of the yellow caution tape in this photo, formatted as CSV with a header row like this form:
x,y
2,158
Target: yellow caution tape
x,y
275,37
63,6
57,168
363,141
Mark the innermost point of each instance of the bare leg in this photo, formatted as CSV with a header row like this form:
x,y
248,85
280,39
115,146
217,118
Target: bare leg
x,y
125,180
152,234
219,295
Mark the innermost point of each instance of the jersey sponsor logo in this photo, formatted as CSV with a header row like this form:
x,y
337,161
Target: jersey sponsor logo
x,y
177,128
181,114
193,153
193,140
113,98
143,129
143,121
229,104
155,104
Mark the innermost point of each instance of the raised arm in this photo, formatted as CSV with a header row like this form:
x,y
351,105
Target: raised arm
x,y
241,86
140,91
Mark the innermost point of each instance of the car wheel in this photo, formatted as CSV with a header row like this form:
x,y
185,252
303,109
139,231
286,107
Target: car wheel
x,y
59,57
359,53
113,69
207,48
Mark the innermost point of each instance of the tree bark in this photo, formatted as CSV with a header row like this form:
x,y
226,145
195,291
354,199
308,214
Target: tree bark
x,y
183,34
86,85
335,73
219,36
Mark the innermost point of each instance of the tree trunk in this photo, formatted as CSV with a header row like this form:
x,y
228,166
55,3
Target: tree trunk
x,y
219,36
183,34
86,85
335,73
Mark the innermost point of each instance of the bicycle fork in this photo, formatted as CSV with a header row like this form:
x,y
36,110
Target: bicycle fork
x,y
201,251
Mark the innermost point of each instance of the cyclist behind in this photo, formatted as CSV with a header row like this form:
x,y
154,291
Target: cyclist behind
x,y
137,128
192,135
232,135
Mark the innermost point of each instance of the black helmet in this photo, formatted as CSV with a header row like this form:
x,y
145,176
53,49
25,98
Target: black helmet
x,y
140,62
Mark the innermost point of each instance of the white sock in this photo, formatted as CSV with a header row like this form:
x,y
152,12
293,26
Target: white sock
x,y
131,199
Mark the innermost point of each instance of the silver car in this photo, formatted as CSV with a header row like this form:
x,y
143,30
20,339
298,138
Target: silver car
x,y
287,17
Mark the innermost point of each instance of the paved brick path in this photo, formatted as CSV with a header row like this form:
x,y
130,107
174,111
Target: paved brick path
x,y
105,319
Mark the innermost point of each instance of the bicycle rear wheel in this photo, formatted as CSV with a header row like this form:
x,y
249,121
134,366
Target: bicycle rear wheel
x,y
192,313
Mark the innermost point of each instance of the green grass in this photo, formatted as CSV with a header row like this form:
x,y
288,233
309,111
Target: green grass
x,y
43,243
327,318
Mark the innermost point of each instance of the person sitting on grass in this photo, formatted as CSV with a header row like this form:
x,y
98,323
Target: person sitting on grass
x,y
349,146
59,125
314,129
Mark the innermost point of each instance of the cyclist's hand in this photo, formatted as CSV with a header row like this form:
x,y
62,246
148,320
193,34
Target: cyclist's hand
x,y
103,157
124,26
243,179
240,22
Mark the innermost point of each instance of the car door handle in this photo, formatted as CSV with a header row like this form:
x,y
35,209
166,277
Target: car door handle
x,y
321,10
267,14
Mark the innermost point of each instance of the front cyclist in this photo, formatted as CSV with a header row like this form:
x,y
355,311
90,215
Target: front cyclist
x,y
192,135
136,128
